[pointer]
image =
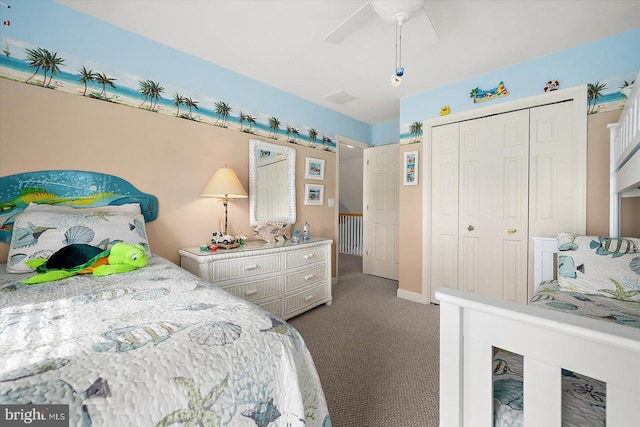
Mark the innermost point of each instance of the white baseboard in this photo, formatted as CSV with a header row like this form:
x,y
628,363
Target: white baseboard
x,y
413,296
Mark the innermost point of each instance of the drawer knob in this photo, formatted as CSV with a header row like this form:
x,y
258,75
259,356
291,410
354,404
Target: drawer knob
x,y
308,298
251,267
251,292
308,256
308,276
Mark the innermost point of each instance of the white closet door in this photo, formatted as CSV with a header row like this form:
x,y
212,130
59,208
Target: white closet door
x,y
444,208
493,205
554,179
521,172
511,210
557,187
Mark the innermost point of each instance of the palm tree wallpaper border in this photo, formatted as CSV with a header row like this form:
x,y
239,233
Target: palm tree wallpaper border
x,y
48,63
598,101
44,68
607,95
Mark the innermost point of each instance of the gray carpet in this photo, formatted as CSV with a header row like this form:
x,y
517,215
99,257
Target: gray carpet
x,y
377,355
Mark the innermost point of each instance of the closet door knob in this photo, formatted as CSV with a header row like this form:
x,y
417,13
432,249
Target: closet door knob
x,y
511,230
470,228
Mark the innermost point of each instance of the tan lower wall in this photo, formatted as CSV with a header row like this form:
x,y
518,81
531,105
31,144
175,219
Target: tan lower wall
x,y
410,234
166,156
630,217
598,181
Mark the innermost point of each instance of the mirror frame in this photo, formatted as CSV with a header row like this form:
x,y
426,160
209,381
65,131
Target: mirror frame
x,y
254,145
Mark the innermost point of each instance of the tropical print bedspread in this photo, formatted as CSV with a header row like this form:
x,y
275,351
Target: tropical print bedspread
x,y
154,347
583,400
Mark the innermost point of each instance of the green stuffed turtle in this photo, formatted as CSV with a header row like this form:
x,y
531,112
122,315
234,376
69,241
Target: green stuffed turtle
x,y
86,259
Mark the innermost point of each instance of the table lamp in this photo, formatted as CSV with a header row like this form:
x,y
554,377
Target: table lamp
x,y
224,185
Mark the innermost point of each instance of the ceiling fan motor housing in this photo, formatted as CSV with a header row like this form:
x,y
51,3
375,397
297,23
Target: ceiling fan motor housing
x,y
398,11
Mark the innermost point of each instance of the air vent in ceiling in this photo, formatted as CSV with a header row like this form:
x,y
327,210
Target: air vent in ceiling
x,y
339,97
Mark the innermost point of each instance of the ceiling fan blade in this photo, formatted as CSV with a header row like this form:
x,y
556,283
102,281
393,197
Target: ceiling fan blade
x,y
430,32
352,23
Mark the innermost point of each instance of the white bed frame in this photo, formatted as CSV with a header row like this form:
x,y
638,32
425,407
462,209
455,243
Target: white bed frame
x,y
625,159
470,325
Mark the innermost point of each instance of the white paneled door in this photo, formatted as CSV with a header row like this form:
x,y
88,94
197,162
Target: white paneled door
x,y
479,231
444,219
493,204
498,178
554,180
381,211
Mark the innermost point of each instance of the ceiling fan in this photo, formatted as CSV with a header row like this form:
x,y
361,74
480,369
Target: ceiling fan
x,y
397,11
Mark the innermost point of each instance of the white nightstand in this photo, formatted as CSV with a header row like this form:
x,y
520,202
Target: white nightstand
x,y
284,278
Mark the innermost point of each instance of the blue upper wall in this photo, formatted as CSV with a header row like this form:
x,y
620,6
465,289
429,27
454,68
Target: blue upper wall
x,y
385,133
610,58
86,41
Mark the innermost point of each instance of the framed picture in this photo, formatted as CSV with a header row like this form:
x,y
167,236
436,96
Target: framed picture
x,y
410,168
314,168
313,194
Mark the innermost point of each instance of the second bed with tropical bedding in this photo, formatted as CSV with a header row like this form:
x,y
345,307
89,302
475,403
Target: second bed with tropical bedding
x,y
598,277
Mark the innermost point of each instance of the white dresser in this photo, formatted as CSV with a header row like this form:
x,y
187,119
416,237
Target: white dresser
x,y
284,278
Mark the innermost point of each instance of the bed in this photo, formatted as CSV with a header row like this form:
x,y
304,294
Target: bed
x,y
570,357
156,346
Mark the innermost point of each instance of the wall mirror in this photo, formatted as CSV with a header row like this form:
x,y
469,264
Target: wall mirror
x,y
272,182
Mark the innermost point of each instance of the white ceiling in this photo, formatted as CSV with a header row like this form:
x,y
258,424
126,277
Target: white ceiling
x,y
280,42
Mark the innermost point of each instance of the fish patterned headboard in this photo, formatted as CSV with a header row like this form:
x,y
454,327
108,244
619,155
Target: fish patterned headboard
x,y
70,188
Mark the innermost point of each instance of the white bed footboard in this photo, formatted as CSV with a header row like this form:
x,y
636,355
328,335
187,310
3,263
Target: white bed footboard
x,y
470,325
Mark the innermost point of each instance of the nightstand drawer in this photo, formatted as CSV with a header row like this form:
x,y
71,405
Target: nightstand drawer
x,y
308,297
245,267
305,256
257,290
304,277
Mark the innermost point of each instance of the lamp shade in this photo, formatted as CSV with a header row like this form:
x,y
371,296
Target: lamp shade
x,y
224,185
